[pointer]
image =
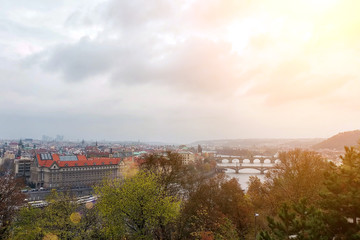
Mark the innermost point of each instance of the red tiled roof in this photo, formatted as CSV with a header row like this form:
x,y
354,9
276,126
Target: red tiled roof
x,y
82,161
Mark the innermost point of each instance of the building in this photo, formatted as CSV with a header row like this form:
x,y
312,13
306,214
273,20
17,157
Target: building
x,y
22,167
209,154
59,138
187,157
9,155
58,171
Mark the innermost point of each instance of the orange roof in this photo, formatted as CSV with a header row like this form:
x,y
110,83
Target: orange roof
x,y
80,162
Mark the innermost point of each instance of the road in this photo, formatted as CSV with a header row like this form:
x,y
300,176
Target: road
x,y
41,195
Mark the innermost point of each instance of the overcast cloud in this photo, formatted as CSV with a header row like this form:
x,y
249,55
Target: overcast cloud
x,y
178,71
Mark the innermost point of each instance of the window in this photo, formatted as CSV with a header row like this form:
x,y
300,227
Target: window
x,y
68,158
45,156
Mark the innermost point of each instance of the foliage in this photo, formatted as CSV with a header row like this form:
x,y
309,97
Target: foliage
x,y
217,207
297,221
62,219
289,181
10,200
176,178
147,205
341,197
26,225
199,219
137,207
255,192
336,211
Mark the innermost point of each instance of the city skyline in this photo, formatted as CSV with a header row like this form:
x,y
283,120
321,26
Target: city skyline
x,y
179,71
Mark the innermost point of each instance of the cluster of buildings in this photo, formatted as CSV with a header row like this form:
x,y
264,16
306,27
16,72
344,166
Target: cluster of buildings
x,y
57,164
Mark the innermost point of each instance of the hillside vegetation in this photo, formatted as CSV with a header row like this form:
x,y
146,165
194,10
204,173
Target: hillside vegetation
x,y
338,141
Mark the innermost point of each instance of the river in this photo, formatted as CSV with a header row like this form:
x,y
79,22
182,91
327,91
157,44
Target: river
x,y
243,176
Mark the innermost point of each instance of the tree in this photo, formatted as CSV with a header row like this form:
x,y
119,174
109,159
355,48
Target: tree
x,y
297,221
26,226
216,208
137,207
11,199
63,218
255,192
299,175
341,197
59,218
176,178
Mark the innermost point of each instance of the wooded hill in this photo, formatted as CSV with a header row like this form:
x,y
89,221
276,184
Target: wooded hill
x,y
340,140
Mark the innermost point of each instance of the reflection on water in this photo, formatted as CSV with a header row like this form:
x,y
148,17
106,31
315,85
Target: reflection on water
x,y
243,176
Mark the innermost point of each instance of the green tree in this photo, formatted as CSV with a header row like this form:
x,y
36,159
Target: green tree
x,y
63,218
341,197
297,221
27,224
137,207
57,216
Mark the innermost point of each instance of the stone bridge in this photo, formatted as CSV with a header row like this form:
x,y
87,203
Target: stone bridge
x,y
238,167
239,159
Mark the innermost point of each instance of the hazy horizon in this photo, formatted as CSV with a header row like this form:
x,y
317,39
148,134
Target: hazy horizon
x,y
53,138
179,71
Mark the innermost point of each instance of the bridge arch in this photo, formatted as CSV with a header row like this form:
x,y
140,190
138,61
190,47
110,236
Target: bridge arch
x,y
237,168
261,170
267,161
246,160
225,160
256,161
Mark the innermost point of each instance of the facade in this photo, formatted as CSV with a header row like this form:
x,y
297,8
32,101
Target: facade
x,y
57,171
22,167
9,155
187,157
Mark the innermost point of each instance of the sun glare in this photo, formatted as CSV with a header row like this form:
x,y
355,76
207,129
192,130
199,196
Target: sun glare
x,y
294,24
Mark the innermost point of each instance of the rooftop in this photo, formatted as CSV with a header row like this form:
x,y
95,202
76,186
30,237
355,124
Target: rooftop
x,y
46,160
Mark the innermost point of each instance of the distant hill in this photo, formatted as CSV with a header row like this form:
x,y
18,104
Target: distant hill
x,y
251,143
340,140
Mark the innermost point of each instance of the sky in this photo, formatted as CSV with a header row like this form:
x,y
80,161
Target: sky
x,y
179,71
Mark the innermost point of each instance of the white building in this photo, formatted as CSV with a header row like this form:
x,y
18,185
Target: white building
x,y
187,157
